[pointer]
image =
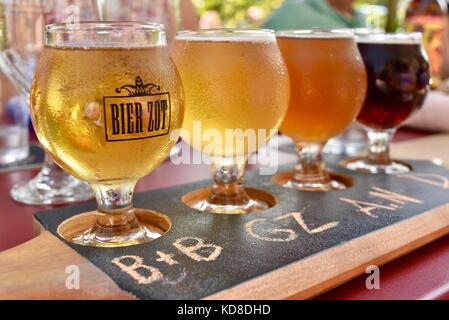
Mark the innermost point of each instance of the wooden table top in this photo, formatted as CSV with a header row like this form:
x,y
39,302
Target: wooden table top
x,y
421,274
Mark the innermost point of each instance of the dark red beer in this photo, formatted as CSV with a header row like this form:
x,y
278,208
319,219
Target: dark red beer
x,y
398,80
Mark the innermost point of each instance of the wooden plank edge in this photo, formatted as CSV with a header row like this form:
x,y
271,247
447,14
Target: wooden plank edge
x,y
37,270
319,273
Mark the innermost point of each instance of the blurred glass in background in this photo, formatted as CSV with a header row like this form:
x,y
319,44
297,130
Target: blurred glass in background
x,y
22,40
14,119
173,14
14,112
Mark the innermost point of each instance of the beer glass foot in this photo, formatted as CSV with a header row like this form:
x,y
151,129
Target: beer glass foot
x,y
51,186
336,182
252,206
138,236
319,187
363,165
146,226
258,200
36,192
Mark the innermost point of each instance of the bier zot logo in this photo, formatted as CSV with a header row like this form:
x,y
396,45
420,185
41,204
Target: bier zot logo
x,y
141,114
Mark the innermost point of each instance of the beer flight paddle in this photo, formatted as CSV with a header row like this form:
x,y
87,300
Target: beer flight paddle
x,y
307,243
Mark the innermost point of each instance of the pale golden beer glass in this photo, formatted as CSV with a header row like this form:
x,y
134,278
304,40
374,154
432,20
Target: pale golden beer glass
x,y
328,87
104,101
235,82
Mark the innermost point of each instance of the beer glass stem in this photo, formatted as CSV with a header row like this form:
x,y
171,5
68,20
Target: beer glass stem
x,y
310,168
379,146
228,182
115,210
52,173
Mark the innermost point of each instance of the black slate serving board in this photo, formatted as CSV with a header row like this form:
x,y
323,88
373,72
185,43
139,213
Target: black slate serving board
x,y
205,253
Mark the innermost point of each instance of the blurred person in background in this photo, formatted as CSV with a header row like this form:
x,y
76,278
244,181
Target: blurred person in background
x,y
304,14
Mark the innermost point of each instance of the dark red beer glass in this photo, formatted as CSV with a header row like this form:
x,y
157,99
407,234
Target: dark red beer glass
x,y
398,82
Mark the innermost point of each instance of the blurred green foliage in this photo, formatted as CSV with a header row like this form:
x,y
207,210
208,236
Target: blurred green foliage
x,y
380,2
237,13
248,13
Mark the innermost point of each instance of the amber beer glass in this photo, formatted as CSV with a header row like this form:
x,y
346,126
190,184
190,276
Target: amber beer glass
x,y
328,86
398,81
104,101
234,81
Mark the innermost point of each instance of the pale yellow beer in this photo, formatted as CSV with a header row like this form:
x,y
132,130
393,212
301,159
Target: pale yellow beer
x,y
107,105
231,83
77,99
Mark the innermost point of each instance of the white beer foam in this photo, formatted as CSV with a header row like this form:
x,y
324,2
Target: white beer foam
x,y
93,45
242,36
315,34
413,38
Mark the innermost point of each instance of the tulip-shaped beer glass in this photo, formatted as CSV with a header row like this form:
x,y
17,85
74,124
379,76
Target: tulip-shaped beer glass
x,y
328,81
237,90
104,102
398,81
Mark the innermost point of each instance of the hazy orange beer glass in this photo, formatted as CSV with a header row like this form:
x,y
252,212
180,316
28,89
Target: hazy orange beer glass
x,y
328,87
235,80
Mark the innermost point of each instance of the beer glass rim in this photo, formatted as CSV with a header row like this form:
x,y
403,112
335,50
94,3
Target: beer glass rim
x,y
223,34
363,30
389,38
105,34
318,33
94,26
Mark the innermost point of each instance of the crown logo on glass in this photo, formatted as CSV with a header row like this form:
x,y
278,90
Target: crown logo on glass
x,y
139,89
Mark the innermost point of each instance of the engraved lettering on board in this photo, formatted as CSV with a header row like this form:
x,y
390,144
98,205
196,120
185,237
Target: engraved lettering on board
x,y
285,234
141,114
199,250
195,248
166,258
134,266
427,178
397,201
